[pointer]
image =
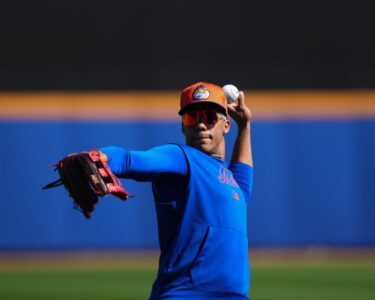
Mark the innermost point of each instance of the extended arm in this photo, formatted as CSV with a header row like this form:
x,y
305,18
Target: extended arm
x,y
241,114
151,165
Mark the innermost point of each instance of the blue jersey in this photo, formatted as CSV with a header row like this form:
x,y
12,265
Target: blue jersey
x,y
201,211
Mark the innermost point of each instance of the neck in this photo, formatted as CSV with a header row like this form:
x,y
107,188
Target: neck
x,y
218,156
219,152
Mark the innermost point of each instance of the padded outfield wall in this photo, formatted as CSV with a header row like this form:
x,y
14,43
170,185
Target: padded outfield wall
x,y
314,167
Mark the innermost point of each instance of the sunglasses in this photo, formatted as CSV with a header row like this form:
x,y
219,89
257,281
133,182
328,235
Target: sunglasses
x,y
208,117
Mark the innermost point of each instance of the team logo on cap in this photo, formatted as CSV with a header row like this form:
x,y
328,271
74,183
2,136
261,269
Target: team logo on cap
x,y
201,93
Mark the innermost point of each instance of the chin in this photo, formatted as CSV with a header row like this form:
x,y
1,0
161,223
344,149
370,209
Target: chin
x,y
203,147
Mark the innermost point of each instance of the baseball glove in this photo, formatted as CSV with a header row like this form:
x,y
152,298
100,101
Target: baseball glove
x,y
86,176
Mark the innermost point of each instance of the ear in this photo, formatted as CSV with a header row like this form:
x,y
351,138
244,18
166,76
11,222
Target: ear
x,y
226,126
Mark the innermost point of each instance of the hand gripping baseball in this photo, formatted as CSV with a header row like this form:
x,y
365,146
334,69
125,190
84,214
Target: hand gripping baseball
x,y
86,176
239,112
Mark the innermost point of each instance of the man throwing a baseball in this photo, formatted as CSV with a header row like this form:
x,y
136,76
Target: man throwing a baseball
x,y
200,200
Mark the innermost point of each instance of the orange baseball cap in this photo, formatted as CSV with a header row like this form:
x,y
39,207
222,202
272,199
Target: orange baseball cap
x,y
202,92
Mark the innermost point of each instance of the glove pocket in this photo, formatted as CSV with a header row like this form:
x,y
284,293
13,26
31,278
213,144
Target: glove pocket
x,y
222,264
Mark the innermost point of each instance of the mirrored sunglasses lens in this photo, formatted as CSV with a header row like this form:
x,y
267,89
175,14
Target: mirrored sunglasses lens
x,y
189,119
211,117
208,117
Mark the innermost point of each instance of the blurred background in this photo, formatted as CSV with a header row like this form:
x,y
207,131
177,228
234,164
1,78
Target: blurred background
x,y
77,75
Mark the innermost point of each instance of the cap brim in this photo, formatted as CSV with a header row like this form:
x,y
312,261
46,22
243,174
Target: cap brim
x,y
191,105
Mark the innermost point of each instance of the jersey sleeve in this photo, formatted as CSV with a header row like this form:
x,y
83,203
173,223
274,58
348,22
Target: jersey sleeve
x,y
243,174
155,164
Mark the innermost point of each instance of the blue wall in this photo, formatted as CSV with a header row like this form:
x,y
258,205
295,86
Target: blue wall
x,y
314,184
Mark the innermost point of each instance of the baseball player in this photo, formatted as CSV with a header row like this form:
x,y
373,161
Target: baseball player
x,y
200,200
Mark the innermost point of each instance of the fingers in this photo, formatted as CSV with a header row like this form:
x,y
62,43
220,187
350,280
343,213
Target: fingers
x,y
239,111
241,99
231,106
239,103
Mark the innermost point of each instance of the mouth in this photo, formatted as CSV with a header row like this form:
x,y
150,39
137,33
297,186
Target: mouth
x,y
202,137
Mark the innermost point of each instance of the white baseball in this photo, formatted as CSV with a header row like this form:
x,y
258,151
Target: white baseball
x,y
231,92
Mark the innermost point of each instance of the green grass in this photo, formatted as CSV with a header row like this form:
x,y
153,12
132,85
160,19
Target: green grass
x,y
285,282
314,283
81,285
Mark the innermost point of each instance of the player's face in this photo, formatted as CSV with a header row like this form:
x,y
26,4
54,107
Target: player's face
x,y
204,129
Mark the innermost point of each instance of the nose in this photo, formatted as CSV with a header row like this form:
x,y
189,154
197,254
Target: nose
x,y
200,125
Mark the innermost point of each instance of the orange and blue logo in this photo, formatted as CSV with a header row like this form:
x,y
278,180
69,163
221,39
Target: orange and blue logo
x,y
201,93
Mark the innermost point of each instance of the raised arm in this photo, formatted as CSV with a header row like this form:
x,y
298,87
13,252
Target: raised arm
x,y
241,114
151,165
